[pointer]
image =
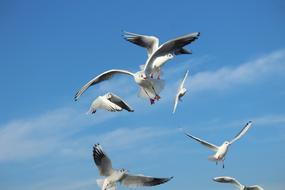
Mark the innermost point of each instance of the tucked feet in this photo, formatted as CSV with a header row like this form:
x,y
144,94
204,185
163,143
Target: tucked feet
x,y
157,97
151,101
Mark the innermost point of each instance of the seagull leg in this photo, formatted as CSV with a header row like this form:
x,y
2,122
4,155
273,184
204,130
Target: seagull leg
x,y
158,74
157,97
152,101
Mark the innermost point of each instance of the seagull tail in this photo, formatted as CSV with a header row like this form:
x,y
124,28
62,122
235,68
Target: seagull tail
x,y
100,182
212,158
158,85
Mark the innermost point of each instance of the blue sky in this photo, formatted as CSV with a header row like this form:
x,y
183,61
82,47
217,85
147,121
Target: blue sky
x,y
49,49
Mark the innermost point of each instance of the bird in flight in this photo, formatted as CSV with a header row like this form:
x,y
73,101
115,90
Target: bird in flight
x,y
113,176
158,55
231,180
181,91
148,87
110,102
221,151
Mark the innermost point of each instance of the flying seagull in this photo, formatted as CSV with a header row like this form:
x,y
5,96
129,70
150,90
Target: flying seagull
x,y
236,183
181,91
149,88
159,55
222,150
110,102
112,176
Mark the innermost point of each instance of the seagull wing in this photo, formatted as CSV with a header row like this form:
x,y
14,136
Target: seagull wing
x,y
118,101
205,143
172,46
141,180
102,77
184,79
231,180
242,132
254,187
103,103
102,161
175,102
148,42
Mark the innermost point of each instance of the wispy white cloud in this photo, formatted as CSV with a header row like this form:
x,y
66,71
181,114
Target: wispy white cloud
x,y
249,72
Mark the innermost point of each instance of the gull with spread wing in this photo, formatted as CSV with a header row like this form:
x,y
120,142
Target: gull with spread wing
x,y
149,88
110,102
181,91
159,55
231,180
112,176
222,150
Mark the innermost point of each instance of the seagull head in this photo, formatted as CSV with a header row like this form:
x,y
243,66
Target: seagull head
x,y
141,75
123,171
183,91
108,95
227,143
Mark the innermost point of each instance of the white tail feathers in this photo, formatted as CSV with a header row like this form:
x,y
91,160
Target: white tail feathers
x,y
100,182
212,158
158,85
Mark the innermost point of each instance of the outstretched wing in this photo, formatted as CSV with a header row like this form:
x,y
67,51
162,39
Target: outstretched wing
x,y
120,102
184,79
102,77
140,180
102,161
225,179
148,42
103,103
205,143
171,46
254,187
242,132
175,102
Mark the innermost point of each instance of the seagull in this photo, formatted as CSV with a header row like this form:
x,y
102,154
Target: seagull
x,y
222,150
148,87
112,176
181,91
159,55
236,183
110,102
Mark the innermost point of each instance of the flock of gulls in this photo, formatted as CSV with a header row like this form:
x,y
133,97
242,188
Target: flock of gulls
x,y
150,84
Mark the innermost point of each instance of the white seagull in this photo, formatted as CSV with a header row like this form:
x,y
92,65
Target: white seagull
x,y
181,91
225,179
222,150
159,55
149,88
110,102
112,176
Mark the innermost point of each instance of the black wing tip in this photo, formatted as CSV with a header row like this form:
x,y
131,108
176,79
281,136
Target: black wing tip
x,y
96,146
170,178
